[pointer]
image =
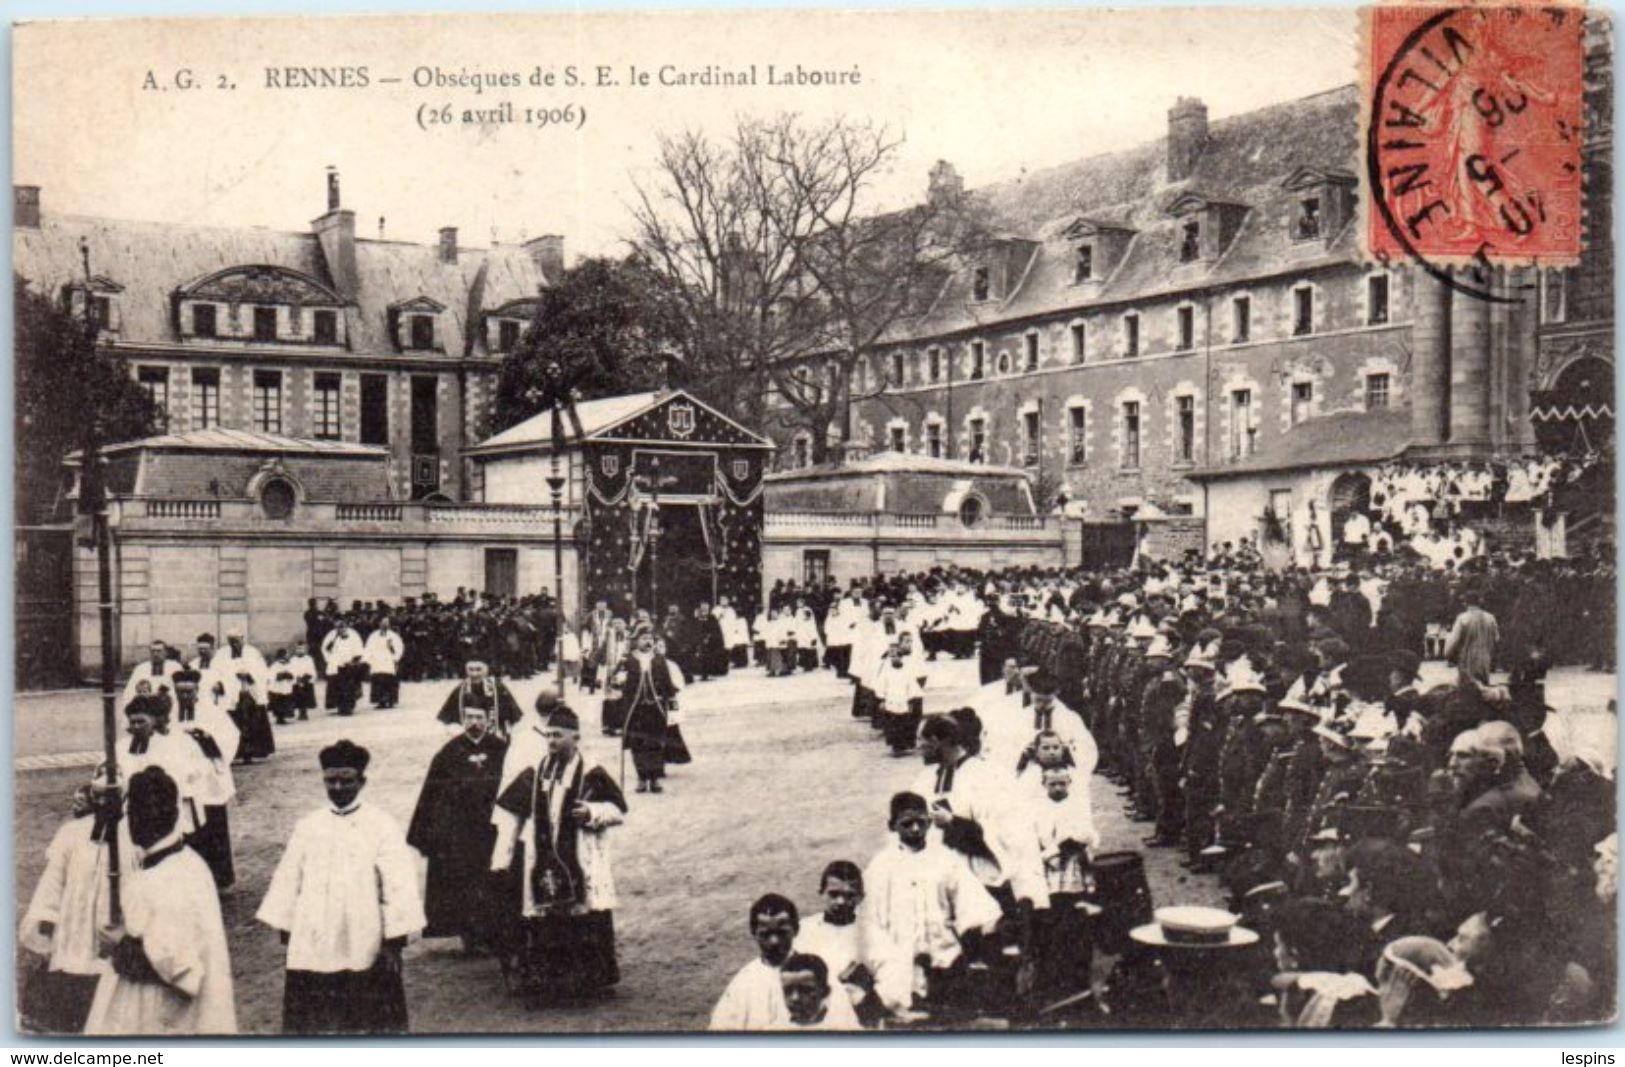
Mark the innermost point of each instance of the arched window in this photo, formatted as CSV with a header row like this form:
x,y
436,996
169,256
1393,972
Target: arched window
x,y
277,498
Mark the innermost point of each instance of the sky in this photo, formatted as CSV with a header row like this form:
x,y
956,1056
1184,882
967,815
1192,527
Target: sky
x,y
996,93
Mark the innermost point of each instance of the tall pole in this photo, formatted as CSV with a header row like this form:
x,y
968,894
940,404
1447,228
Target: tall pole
x,y
654,546
555,486
93,501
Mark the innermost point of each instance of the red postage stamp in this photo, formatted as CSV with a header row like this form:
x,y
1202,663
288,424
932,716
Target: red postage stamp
x,y
1473,134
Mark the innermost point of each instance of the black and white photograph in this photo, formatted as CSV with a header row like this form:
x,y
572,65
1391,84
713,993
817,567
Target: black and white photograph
x,y
897,522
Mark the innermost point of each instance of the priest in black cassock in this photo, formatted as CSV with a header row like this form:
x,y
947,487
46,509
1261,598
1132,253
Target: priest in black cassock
x,y
558,815
479,690
647,694
452,828
710,651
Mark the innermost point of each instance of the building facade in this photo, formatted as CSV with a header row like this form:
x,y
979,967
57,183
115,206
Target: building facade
x,y
1185,305
323,335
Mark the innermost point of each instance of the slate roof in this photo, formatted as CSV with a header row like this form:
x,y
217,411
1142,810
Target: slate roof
x,y
1247,160
221,439
1340,439
151,260
596,417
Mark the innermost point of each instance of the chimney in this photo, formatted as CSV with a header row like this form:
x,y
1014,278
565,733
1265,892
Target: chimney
x,y
547,252
25,207
336,233
945,187
1187,136
448,244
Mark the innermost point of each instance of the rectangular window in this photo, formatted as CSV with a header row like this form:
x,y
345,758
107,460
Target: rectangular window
x,y
1032,351
1185,409
1187,329
267,400
1307,224
1083,267
502,571
1241,423
1554,295
1376,392
814,566
978,440
1078,435
979,284
1131,435
1029,438
101,312
325,327
898,438
933,439
375,409
1190,242
1080,342
265,324
425,415
1303,399
203,321
1376,304
1131,336
1241,318
801,453
1303,311
897,368
205,396
978,360
155,380
507,335
934,362
422,327
328,424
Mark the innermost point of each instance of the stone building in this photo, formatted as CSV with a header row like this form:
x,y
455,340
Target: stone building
x,y
324,335
1182,307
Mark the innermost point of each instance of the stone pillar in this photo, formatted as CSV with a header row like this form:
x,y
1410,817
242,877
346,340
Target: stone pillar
x,y
1430,366
1470,371
1522,356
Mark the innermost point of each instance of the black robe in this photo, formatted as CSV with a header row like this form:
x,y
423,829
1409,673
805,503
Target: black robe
x,y
452,828
710,652
492,695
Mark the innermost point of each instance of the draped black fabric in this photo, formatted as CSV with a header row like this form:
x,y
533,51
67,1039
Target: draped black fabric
x,y
451,827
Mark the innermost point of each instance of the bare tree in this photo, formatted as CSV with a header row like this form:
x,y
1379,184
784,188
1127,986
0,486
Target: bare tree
x,y
779,249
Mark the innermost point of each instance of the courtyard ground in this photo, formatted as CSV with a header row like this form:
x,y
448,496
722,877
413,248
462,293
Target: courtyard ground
x,y
783,781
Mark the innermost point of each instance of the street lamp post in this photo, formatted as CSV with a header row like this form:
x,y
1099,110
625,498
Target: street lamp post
x,y
556,397
93,501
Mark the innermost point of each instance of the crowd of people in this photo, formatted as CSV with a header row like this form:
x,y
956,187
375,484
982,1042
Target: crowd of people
x,y
1396,853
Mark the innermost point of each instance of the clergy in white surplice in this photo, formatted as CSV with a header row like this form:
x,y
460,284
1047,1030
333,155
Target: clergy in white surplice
x,y
561,810
345,900
169,970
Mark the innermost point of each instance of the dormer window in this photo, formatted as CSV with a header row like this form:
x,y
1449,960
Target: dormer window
x,y
979,284
420,332
325,327
264,324
263,304
1083,264
95,300
1307,225
1190,242
507,335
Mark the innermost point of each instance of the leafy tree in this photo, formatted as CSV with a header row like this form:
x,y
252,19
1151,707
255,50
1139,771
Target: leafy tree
x,y
71,393
612,328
